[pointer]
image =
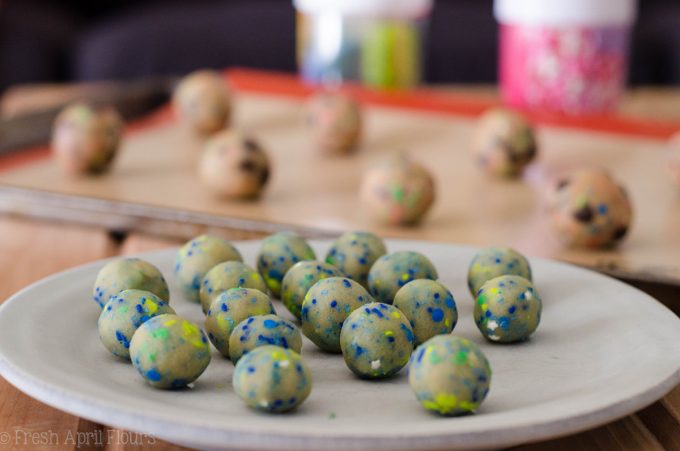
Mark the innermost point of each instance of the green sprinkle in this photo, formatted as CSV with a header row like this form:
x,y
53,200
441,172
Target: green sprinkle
x,y
161,333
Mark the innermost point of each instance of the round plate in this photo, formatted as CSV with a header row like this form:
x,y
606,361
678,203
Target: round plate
x,y
603,350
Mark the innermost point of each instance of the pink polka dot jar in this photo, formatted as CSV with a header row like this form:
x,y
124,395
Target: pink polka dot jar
x,y
566,56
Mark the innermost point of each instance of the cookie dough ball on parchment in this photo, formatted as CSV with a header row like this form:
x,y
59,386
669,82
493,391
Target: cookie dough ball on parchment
x,y
504,143
335,122
588,208
397,191
85,139
202,100
234,165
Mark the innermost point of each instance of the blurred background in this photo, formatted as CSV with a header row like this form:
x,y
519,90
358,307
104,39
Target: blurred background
x,y
81,40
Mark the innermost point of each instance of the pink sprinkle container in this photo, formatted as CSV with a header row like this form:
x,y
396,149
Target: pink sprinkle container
x,y
566,56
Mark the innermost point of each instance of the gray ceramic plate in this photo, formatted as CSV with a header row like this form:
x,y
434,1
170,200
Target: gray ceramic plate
x,y
603,350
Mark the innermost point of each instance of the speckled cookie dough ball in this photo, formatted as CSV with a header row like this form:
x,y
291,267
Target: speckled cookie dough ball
x,y
225,276
202,99
278,253
674,158
123,314
234,165
397,191
449,375
508,309
589,209
392,271
327,304
85,139
127,274
272,379
492,262
229,309
300,278
263,330
376,340
169,351
197,257
335,122
429,307
354,253
504,143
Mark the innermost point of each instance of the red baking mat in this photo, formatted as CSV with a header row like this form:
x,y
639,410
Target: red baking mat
x,y
423,99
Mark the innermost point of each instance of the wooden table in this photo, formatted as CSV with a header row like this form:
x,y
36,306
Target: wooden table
x,y
30,250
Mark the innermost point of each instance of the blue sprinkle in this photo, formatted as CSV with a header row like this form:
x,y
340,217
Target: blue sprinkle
x,y
334,303
512,309
450,303
224,308
437,315
346,283
153,375
488,314
270,323
251,369
359,350
504,322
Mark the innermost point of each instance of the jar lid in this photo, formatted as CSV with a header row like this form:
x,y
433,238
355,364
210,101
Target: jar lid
x,y
566,12
391,8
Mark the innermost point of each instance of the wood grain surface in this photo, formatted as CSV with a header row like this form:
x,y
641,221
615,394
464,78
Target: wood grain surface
x,y
154,182
34,250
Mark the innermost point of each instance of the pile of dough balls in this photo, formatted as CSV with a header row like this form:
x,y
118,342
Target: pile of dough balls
x,y
381,311
588,208
203,101
504,143
335,122
85,139
397,191
234,165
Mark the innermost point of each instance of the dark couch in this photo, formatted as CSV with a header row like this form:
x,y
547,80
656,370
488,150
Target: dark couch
x,y
43,40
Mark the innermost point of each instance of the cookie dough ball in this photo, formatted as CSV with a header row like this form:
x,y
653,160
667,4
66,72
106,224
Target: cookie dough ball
x,y
449,375
279,252
234,165
504,143
354,253
674,158
169,351
197,257
589,209
127,274
202,99
272,379
225,276
300,278
263,330
429,307
492,262
508,309
392,271
327,304
85,139
123,314
397,191
376,340
229,309
335,121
